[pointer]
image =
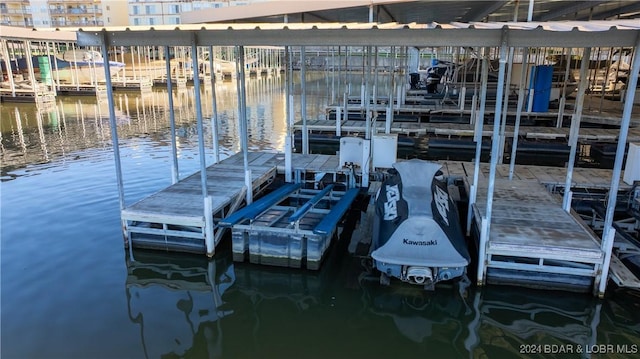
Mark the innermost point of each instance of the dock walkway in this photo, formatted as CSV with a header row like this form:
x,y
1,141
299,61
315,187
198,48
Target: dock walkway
x,y
467,130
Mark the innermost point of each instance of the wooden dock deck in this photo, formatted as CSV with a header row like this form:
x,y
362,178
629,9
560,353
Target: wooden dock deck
x,y
175,218
533,240
550,177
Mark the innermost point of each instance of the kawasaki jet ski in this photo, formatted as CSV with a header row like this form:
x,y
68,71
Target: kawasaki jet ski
x,y
417,234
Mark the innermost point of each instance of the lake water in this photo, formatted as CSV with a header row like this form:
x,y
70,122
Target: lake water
x,y
69,289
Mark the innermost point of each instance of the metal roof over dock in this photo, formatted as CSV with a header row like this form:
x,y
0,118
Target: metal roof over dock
x,y
421,11
516,34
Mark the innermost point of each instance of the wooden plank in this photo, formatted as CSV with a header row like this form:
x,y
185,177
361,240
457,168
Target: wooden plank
x,y
261,160
524,173
317,163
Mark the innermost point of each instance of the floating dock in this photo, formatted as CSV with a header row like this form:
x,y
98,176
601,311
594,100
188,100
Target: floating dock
x,y
176,217
533,240
415,129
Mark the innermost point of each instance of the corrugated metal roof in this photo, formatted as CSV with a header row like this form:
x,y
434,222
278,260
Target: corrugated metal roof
x,y
23,33
519,34
420,11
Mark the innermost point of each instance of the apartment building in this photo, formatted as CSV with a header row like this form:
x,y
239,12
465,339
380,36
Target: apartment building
x,y
51,13
77,13
16,13
166,12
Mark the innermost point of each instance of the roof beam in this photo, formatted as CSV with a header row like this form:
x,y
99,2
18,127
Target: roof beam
x,y
386,11
479,16
311,13
311,35
619,10
566,10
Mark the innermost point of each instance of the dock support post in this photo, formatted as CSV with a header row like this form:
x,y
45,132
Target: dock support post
x,y
495,141
288,144
387,120
608,238
482,250
214,115
564,91
338,121
114,134
242,118
608,232
198,105
249,184
478,138
345,106
32,76
366,160
7,66
175,175
505,107
474,104
516,129
303,100
367,95
208,226
575,128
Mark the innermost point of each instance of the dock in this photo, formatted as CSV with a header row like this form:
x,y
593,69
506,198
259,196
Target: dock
x,y
532,239
221,193
175,218
415,129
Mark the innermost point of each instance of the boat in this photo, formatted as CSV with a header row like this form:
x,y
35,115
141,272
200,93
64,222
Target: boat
x,y
73,67
417,234
447,77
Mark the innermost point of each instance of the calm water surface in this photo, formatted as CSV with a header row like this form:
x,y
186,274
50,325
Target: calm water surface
x,y
70,290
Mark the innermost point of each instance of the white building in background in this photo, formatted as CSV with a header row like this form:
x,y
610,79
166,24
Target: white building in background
x,y
167,12
78,13
63,13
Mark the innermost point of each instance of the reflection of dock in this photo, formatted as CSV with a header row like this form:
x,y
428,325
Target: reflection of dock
x,y
190,289
519,318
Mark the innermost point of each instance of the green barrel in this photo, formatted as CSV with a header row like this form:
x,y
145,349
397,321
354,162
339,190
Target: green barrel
x,y
45,70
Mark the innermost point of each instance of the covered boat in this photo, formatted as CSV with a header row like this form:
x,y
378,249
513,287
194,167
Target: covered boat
x,y
417,234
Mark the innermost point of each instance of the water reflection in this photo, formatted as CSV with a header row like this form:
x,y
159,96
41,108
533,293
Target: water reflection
x,y
177,303
36,134
512,323
216,308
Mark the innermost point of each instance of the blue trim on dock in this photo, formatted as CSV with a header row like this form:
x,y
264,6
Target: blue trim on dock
x,y
253,210
300,212
329,222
